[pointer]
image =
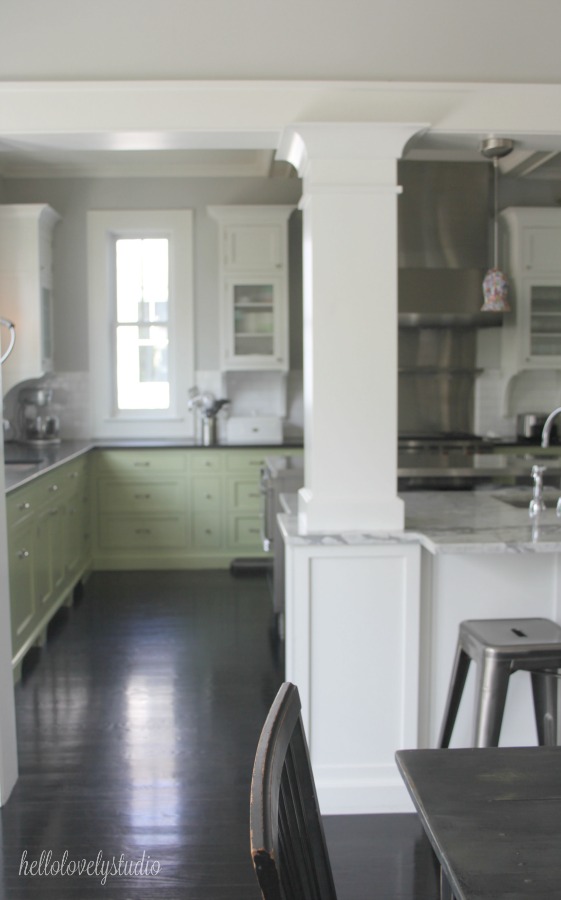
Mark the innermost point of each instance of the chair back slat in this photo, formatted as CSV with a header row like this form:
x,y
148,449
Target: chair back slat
x,y
288,846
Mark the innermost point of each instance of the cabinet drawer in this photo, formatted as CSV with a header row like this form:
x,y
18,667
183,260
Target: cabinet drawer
x,y
207,494
203,462
73,475
133,462
150,496
137,533
244,495
21,544
252,461
207,532
20,504
244,532
51,487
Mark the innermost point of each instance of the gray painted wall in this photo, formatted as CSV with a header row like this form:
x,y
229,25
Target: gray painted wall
x,y
72,198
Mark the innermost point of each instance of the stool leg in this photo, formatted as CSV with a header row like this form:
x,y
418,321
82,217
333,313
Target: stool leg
x,y
491,690
544,689
457,683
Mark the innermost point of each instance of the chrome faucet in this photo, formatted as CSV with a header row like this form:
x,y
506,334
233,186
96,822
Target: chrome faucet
x,y
537,504
547,426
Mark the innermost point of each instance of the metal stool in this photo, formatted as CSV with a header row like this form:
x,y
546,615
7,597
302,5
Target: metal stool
x,y
500,647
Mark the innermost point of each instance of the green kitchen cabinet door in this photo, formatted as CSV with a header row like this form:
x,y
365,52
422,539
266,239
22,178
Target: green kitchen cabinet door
x,y
23,605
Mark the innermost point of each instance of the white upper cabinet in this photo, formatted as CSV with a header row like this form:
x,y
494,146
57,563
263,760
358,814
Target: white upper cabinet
x,y
26,283
254,286
254,247
531,334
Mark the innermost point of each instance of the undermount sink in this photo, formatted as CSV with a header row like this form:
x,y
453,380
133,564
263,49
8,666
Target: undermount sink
x,y
521,499
20,466
25,457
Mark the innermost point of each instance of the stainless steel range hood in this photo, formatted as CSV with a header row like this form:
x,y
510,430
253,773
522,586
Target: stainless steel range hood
x,y
444,217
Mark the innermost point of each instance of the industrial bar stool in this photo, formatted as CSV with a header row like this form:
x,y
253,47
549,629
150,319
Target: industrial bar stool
x,y
500,647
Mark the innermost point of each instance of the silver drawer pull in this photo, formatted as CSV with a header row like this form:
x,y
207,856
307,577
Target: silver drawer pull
x,y
142,464
23,554
26,505
54,488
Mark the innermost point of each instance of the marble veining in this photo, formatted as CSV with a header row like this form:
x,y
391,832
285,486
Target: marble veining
x,y
453,522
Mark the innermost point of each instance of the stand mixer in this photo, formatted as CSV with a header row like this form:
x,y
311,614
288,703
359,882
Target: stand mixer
x,y
36,424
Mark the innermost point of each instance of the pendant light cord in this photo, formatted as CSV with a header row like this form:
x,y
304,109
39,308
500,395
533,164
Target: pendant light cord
x,y
496,221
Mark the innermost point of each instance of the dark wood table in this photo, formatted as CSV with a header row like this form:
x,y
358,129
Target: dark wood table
x,y
493,817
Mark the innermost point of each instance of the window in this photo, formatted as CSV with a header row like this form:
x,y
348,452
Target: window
x,y
142,289
141,322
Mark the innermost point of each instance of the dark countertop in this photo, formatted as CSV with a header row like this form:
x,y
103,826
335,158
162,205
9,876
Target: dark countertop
x,y
28,461
31,461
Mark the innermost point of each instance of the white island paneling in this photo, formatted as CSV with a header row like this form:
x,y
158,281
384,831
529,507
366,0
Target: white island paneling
x,y
371,627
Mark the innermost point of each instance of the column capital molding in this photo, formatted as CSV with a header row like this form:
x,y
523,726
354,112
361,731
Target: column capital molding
x,y
303,143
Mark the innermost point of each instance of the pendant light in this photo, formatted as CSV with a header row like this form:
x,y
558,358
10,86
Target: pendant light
x,y
495,283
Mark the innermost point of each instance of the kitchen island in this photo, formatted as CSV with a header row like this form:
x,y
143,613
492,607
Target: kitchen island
x,y
372,621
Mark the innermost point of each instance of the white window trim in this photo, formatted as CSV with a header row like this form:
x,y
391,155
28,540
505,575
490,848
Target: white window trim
x,y
104,226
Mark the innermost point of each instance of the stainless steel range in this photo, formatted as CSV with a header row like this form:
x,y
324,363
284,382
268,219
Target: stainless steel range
x,y
280,475
439,461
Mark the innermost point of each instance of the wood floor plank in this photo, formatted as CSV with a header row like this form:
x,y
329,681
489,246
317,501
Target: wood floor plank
x,y
137,727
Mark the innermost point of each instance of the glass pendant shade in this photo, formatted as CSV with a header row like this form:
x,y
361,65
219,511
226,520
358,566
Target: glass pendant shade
x,y
495,292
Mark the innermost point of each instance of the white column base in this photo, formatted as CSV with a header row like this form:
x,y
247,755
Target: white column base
x,y
361,790
352,649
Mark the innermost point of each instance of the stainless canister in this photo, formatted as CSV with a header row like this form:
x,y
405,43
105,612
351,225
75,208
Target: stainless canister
x,y
209,431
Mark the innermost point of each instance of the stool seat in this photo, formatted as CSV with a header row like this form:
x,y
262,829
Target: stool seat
x,y
500,647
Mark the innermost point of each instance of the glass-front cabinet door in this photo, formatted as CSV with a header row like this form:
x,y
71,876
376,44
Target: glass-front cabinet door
x,y
255,334
541,315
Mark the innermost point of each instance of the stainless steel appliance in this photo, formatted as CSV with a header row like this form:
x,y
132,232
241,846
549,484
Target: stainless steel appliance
x,y
36,422
444,216
208,408
279,475
440,461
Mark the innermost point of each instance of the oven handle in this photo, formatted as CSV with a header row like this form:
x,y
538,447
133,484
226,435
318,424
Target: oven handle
x,y
266,490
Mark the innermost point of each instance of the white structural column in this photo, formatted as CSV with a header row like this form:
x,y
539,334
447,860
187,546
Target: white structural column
x,y
349,205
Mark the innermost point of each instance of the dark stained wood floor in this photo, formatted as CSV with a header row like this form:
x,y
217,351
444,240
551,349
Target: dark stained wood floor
x,y
137,726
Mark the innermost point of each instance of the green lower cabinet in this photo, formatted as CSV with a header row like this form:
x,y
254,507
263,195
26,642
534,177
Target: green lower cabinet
x,y
48,550
190,508
21,561
207,532
244,533
143,534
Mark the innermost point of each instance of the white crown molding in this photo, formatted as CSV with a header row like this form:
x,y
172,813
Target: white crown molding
x,y
163,116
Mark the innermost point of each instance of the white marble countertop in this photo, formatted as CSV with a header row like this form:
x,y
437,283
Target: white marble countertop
x,y
479,521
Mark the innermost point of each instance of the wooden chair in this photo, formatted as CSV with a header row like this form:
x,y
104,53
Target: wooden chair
x,y
288,845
